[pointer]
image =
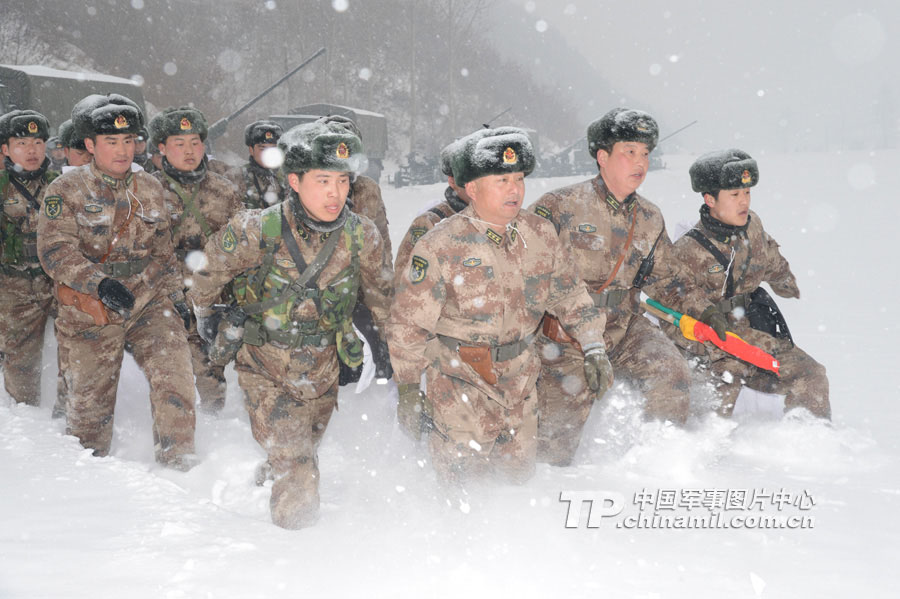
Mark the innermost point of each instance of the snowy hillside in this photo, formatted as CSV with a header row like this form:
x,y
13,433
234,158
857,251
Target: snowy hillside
x,y
73,526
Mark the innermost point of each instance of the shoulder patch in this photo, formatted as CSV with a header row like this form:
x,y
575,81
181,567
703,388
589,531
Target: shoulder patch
x,y
52,207
416,233
470,262
93,208
417,269
587,228
229,240
716,268
542,211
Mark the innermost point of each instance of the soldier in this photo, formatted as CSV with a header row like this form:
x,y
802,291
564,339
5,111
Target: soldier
x,y
260,183
614,234
55,153
300,264
455,200
141,157
76,153
199,203
104,238
467,314
25,295
731,255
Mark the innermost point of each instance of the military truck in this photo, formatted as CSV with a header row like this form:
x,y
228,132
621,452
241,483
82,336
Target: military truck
x,y
54,92
372,126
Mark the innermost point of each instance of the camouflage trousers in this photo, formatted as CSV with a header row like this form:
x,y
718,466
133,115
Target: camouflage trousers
x,y
25,303
645,357
476,437
91,360
801,380
289,428
209,378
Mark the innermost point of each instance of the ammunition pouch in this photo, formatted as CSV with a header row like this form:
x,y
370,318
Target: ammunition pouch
x,y
611,298
482,357
256,333
123,270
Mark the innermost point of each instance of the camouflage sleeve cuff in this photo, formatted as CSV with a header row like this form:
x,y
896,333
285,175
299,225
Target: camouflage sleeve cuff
x,y
203,311
586,349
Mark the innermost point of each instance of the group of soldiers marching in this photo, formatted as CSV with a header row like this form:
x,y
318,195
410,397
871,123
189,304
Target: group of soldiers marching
x,y
501,326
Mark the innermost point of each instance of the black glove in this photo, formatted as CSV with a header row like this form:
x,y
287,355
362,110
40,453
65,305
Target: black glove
x,y
115,295
598,372
716,321
382,359
208,326
185,313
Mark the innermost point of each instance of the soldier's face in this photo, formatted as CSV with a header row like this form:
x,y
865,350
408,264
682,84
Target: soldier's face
x,y
27,152
184,152
625,167
497,198
140,145
732,207
113,154
322,193
265,155
76,157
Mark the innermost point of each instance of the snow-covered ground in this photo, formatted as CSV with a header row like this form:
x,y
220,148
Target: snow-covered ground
x,y
72,525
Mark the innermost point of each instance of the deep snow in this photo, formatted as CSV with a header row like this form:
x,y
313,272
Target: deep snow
x,y
72,525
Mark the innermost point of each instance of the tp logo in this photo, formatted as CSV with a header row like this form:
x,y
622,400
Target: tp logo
x,y
599,504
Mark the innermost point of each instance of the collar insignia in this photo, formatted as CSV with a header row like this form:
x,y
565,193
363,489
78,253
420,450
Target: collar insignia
x,y
494,236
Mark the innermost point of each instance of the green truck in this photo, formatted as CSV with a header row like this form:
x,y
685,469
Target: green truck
x,y
54,92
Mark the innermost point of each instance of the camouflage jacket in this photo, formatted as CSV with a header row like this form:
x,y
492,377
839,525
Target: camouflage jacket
x,y
258,187
365,199
84,210
595,226
424,223
471,283
239,247
756,259
216,200
18,221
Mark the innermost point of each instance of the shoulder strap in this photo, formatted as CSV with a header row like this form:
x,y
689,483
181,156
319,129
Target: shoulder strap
x,y
436,210
621,257
718,255
27,194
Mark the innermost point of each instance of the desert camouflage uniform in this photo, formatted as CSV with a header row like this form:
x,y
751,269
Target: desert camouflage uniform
x,y
757,259
595,226
83,210
365,199
25,290
217,201
470,284
258,187
290,393
424,223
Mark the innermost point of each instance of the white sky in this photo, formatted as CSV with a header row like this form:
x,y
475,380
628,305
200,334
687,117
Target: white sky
x,y
765,75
